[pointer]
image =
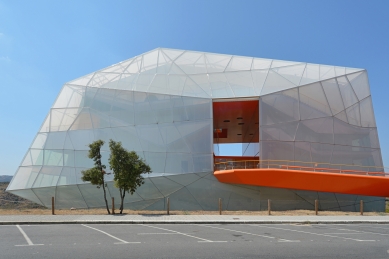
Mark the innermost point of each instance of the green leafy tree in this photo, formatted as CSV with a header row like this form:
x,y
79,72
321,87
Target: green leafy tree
x,y
127,168
96,174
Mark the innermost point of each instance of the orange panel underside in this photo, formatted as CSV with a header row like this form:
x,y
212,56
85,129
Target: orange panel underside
x,y
309,181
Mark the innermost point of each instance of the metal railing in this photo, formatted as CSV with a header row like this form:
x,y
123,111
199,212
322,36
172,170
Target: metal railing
x,y
303,166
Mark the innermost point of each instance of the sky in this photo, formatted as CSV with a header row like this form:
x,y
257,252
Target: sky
x,y
44,44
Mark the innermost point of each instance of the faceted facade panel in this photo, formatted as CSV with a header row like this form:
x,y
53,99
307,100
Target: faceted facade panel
x,y
331,125
159,104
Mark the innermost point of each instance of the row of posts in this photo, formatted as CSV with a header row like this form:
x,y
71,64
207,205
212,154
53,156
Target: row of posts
x,y
316,207
268,207
220,206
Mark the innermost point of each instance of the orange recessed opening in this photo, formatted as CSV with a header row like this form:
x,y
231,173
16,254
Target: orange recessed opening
x,y
236,121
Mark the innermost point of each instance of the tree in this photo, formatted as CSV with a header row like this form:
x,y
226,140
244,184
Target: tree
x,y
96,174
127,168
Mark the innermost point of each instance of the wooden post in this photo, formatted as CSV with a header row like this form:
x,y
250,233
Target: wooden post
x,y
168,206
269,207
113,205
220,206
316,207
361,207
52,206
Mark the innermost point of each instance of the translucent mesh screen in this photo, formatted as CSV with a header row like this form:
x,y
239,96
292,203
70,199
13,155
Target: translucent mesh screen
x,y
159,104
280,107
172,133
321,122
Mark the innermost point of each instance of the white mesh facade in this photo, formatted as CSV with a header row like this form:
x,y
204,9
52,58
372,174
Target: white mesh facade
x,y
159,104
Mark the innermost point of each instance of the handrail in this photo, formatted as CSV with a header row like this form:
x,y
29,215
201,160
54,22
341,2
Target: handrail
x,y
305,166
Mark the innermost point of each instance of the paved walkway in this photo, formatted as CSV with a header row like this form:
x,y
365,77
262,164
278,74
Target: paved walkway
x,y
186,219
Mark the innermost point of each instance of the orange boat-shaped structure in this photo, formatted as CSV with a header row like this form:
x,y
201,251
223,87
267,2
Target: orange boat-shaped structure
x,y
321,179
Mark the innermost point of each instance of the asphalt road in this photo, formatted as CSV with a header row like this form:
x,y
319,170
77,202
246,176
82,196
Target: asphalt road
x,y
195,241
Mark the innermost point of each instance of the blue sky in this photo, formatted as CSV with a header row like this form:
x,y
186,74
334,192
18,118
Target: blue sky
x,y
44,44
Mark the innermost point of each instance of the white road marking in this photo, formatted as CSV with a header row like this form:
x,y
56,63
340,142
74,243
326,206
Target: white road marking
x,y
121,240
247,233
29,242
381,226
284,240
41,225
212,241
158,234
360,231
341,233
305,232
31,245
173,231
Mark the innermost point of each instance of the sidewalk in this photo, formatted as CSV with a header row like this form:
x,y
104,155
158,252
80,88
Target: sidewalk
x,y
187,219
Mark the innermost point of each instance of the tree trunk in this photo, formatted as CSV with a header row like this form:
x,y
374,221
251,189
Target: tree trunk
x,y
98,162
105,198
122,200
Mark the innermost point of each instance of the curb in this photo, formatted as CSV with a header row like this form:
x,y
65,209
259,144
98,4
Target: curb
x,y
302,222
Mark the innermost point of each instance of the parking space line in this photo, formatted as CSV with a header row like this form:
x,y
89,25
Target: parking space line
x,y
176,232
360,231
305,232
121,240
382,226
158,234
29,242
341,233
247,233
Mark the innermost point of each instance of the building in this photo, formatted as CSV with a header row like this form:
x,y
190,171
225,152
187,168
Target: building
x,y
175,107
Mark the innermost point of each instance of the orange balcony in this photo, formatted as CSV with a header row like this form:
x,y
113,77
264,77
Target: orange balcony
x,y
321,177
